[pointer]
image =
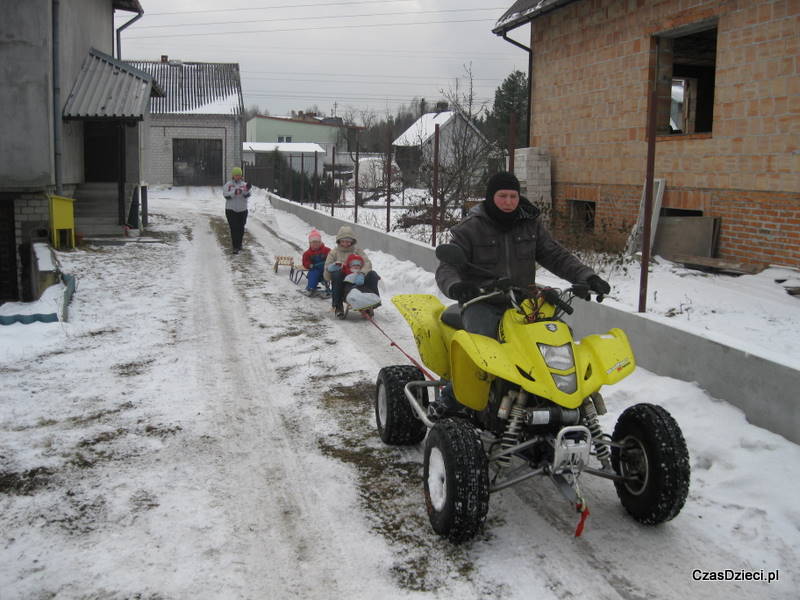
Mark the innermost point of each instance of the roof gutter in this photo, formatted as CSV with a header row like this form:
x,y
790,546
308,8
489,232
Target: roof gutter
x,y
139,15
530,88
57,144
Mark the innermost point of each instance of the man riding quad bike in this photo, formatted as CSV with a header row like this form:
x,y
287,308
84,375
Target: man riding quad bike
x,y
516,393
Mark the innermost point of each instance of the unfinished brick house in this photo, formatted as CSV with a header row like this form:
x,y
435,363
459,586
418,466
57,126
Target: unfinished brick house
x,y
726,76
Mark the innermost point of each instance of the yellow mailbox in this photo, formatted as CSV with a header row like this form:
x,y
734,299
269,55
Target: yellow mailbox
x,y
62,221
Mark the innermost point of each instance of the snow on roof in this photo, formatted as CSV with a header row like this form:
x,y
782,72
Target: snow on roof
x,y
194,87
292,147
523,11
423,128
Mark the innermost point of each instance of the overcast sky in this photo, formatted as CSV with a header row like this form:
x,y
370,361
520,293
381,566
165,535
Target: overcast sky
x,y
337,54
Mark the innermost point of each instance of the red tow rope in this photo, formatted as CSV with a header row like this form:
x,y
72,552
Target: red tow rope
x,y
406,354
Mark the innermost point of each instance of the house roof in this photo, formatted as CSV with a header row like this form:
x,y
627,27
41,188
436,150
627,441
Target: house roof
x,y
523,11
289,147
312,121
423,128
129,5
109,88
195,87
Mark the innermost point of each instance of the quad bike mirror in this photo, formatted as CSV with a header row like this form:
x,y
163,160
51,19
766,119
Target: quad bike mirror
x,y
451,254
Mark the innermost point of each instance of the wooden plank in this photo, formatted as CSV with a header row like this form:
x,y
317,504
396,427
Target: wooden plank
x,y
719,264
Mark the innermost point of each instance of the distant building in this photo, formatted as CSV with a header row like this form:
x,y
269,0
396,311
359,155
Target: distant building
x,y
194,132
329,133
460,142
727,114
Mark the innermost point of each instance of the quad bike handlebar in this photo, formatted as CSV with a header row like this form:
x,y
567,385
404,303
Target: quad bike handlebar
x,y
499,286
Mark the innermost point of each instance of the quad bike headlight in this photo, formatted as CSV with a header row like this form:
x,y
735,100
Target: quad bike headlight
x,y
566,383
557,357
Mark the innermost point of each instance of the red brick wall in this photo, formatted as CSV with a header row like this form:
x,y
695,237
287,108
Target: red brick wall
x,y
590,83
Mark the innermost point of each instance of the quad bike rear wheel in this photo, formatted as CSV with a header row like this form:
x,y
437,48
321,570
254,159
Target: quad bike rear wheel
x,y
397,423
655,459
456,477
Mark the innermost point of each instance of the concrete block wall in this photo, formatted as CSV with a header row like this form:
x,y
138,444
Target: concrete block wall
x,y
590,87
766,391
31,223
532,168
162,129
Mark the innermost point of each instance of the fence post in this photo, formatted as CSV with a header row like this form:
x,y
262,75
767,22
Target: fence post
x,y
435,182
302,178
316,180
389,180
355,184
512,141
333,178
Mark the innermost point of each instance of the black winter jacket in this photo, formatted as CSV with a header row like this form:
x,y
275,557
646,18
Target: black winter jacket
x,y
511,253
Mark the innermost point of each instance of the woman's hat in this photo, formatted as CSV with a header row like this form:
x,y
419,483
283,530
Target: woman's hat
x,y
345,232
314,236
236,171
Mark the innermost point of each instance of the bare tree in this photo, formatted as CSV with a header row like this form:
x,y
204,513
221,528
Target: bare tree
x,y
464,155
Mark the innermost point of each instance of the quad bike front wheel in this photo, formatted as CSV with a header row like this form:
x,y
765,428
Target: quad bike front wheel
x,y
653,458
397,423
456,476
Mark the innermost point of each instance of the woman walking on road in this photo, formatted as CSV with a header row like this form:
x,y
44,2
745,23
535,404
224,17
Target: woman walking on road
x,y
236,193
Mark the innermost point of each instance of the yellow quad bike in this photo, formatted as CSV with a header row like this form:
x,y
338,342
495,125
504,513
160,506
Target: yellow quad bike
x,y
528,404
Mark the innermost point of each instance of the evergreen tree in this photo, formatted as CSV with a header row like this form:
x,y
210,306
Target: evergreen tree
x,y
510,97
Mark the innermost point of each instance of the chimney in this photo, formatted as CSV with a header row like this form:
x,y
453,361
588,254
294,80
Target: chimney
x,y
164,58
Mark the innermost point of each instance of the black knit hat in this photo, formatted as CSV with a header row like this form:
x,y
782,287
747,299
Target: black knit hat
x,y
501,181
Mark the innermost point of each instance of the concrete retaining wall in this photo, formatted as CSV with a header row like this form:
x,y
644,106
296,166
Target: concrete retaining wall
x,y
766,391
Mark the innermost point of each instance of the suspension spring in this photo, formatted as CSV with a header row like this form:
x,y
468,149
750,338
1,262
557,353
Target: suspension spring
x,y
593,424
511,434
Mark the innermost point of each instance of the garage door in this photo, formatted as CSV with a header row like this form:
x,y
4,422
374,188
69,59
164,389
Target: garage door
x,y
8,254
197,162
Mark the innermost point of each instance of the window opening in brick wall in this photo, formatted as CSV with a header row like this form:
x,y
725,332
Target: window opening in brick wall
x,y
687,65
581,215
680,212
284,138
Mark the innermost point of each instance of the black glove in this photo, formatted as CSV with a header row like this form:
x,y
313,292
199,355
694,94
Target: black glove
x,y
463,291
598,285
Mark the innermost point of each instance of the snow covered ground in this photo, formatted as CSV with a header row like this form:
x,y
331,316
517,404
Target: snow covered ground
x,y
198,429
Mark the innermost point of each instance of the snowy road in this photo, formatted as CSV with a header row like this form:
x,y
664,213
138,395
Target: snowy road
x,y
200,430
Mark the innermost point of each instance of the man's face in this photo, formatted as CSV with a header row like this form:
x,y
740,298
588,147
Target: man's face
x,y
506,200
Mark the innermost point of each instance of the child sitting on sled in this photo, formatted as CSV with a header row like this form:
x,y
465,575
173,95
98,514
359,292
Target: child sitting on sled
x,y
356,294
314,261
345,246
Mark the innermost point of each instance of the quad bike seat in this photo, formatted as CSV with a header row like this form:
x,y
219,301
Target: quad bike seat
x,y
451,316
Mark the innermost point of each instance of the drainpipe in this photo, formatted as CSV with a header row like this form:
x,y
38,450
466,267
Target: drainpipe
x,y
123,26
57,125
530,81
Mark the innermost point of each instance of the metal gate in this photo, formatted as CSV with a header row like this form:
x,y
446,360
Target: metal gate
x,y
197,162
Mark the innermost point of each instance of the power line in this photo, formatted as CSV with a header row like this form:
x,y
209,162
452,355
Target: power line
x,y
434,81
277,6
281,94
241,33
313,18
